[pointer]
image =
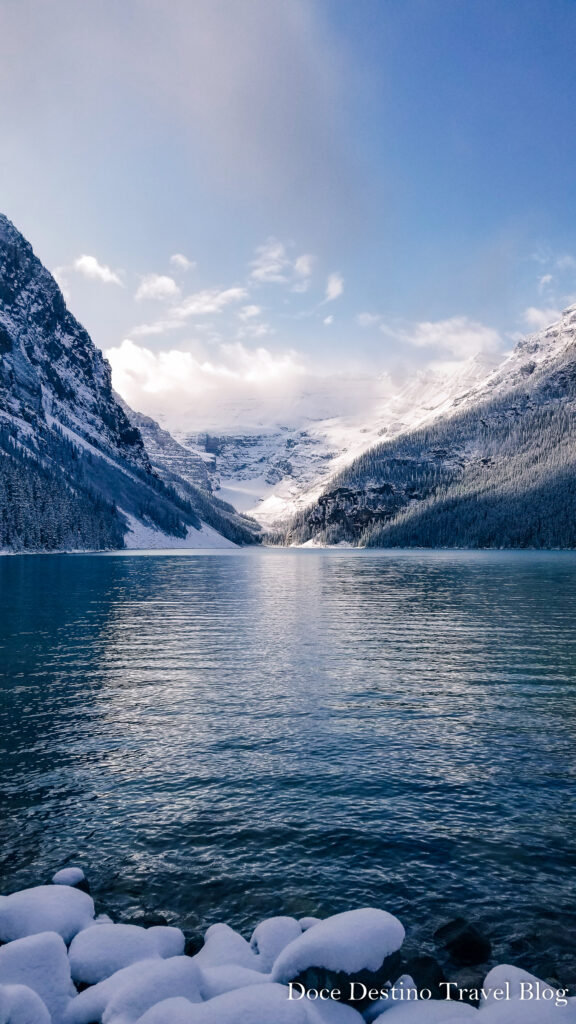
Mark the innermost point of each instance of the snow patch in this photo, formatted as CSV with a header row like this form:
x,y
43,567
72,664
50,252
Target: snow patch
x,y
143,537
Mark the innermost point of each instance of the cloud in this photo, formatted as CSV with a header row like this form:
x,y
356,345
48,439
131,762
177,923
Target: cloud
x,y
334,287
181,262
544,282
537,319
249,312
157,286
231,387
207,302
328,320
566,262
89,267
459,335
367,319
274,265
202,390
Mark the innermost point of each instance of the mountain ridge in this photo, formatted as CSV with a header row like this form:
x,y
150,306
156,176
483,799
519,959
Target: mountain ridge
x,y
498,469
74,471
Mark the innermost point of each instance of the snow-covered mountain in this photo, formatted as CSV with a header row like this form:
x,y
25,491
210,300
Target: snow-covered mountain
x,y
495,466
74,471
272,473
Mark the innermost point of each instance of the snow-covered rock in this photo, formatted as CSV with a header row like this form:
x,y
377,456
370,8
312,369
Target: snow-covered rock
x,y
222,945
19,1004
101,950
270,937
434,1011
178,976
264,1004
215,981
356,946
128,993
516,1012
39,962
45,908
308,922
69,876
513,982
404,988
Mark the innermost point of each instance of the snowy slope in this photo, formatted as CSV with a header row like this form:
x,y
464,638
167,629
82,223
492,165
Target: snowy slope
x,y
495,466
70,458
271,474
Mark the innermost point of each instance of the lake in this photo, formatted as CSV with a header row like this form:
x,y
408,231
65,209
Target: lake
x,y
231,735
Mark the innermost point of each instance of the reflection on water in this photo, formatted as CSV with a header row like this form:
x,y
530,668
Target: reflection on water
x,y
235,735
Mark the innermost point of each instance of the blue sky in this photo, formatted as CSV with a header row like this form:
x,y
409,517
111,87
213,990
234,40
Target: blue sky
x,y
368,187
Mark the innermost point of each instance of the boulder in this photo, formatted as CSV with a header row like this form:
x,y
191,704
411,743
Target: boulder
x,y
345,952
426,973
464,942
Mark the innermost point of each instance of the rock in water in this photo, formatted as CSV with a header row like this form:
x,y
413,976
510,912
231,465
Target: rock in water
x,y
464,942
352,952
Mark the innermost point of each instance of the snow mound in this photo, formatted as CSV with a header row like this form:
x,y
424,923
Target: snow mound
x,y
128,993
437,1011
353,941
515,982
263,1004
215,981
169,941
40,963
169,1011
222,945
45,908
103,949
270,937
69,876
178,976
21,1005
308,922
516,1012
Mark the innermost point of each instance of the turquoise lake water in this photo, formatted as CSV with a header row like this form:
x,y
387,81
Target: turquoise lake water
x,y
227,736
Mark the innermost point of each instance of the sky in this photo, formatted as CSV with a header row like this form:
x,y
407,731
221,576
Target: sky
x,y
251,204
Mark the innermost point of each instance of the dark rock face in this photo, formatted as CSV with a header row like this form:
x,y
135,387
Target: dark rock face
x,y
464,943
351,984
72,464
50,368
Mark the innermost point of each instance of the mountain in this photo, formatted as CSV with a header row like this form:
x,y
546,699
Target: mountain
x,y
274,471
74,471
496,469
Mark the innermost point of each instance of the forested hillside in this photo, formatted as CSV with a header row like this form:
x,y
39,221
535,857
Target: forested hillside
x,y
74,472
500,471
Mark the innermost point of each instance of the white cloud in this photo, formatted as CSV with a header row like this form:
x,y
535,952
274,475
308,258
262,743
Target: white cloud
x,y
202,390
544,281
328,320
157,286
229,387
271,264
156,327
367,319
89,267
249,312
566,262
459,335
334,287
274,265
181,262
207,302
536,319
